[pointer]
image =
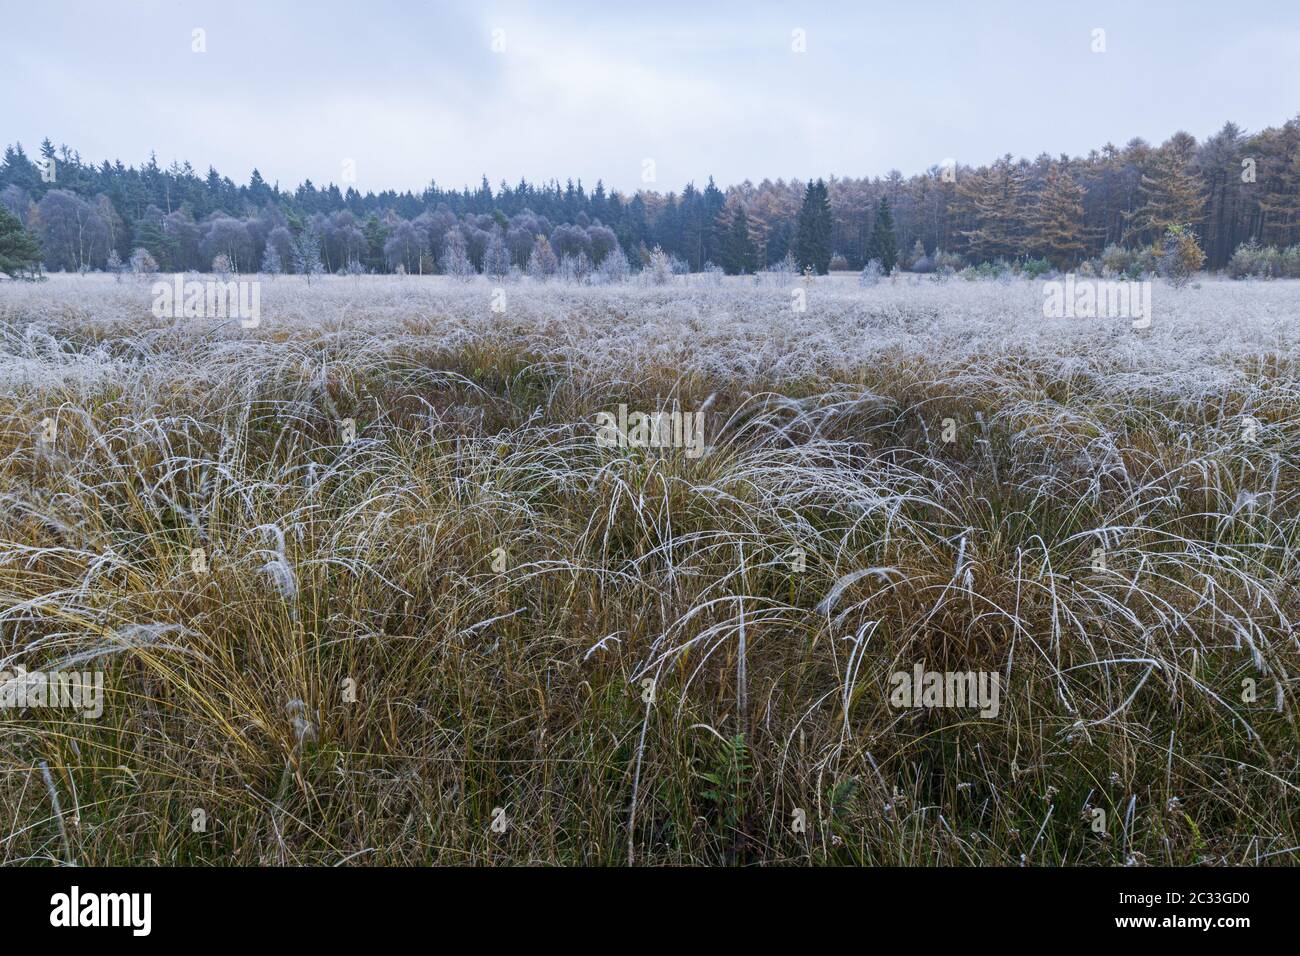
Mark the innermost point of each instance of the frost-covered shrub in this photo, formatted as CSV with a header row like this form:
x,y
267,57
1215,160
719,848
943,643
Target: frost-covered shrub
x,y
1181,256
948,262
711,274
1143,263
306,253
1244,260
143,264
944,265
542,262
660,269
938,261
496,258
922,262
998,269
839,263
1290,262
614,267
271,264
1148,260
455,261
1133,264
778,273
916,260
871,273
1251,260
574,269
1035,268
221,266
1115,260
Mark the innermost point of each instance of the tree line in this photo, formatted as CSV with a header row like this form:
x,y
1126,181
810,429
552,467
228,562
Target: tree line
x,y
1233,190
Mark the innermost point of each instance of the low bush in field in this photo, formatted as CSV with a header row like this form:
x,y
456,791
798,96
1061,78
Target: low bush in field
x,y
1251,260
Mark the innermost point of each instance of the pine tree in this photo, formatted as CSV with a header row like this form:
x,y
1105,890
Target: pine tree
x,y
19,251
149,234
740,255
812,246
376,235
49,168
884,245
713,201
1057,222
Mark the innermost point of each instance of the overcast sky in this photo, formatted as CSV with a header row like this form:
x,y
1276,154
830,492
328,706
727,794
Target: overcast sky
x,y
413,92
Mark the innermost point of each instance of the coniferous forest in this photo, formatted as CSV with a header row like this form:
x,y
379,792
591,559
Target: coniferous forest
x,y
1234,189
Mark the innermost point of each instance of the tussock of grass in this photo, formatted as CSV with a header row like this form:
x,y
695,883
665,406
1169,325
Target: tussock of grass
x,y
372,563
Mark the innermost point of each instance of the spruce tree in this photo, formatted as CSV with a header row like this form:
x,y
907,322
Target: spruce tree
x,y
812,246
376,234
740,255
19,251
884,245
150,235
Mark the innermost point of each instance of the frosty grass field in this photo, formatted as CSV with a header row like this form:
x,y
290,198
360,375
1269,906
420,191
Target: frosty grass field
x,y
475,634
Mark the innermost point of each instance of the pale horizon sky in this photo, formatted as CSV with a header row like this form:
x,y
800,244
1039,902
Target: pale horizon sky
x,y
414,92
